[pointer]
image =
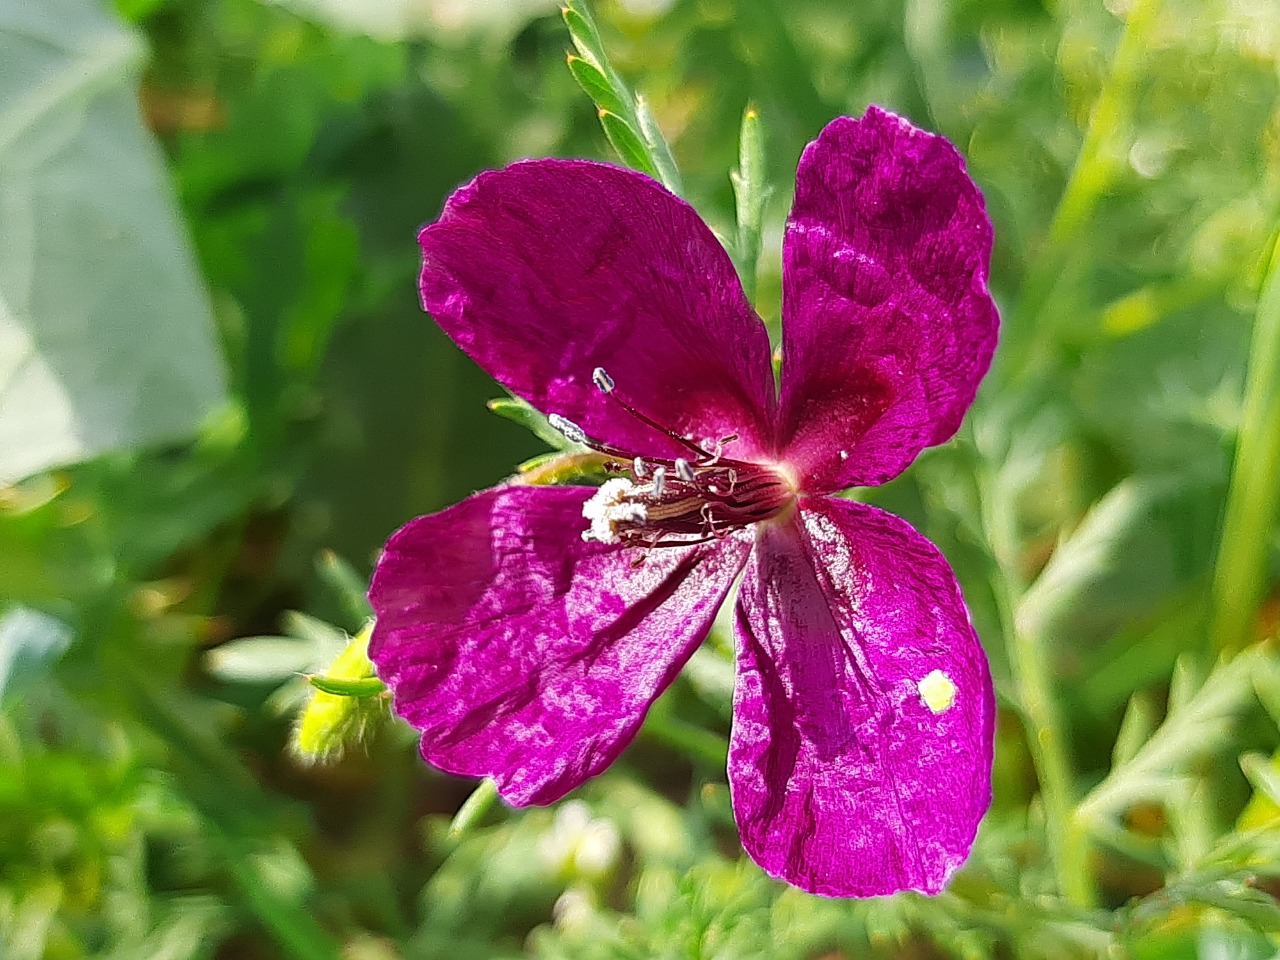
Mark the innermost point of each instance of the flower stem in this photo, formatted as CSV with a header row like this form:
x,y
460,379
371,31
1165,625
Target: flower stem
x,y
1240,574
473,809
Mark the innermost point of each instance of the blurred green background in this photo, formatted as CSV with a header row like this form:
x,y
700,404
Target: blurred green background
x,y
218,396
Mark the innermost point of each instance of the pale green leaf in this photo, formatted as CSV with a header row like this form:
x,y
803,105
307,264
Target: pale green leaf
x,y
106,333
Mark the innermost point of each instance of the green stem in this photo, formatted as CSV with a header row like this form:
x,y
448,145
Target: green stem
x,y
473,809
1046,733
1240,575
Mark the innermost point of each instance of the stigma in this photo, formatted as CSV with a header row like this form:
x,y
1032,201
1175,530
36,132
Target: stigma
x,y
658,501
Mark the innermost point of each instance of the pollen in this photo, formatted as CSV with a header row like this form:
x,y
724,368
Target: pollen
x,y
609,508
938,691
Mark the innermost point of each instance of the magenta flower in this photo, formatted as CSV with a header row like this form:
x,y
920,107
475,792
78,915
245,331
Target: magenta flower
x,y
526,630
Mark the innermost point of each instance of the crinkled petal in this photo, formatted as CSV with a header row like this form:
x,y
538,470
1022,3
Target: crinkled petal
x,y
887,323
846,781
521,652
547,269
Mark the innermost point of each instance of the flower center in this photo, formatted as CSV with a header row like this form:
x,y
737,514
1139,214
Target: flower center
x,y
669,502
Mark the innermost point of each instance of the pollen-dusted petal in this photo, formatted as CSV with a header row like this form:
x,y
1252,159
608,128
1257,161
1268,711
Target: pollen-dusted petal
x,y
521,652
549,270
846,781
887,322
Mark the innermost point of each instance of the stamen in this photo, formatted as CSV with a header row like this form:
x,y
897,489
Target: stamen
x,y
711,495
659,480
604,382
567,428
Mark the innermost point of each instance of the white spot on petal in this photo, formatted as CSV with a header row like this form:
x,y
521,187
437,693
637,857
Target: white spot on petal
x,y
938,691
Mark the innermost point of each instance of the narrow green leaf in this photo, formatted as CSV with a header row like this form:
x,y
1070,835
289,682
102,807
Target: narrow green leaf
x,y
659,150
553,468
1253,502
582,30
340,687
627,142
521,412
595,84
750,193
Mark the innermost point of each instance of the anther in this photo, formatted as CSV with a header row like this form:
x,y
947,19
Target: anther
x,y
638,468
684,471
567,428
604,382
659,480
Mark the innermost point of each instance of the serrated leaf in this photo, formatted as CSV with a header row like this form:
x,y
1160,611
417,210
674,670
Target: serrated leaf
x,y
1199,725
627,142
659,150
583,32
106,332
595,84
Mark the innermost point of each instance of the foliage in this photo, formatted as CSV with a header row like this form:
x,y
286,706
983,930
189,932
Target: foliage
x,y
1110,505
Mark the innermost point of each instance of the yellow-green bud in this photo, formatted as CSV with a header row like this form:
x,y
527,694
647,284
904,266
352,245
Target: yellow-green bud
x,y
346,702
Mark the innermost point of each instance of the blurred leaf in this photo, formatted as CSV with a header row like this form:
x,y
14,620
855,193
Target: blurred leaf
x,y
1241,575
350,588
1147,538
264,659
1195,727
30,642
106,335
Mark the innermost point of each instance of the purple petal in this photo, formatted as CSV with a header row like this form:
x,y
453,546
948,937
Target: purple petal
x,y
845,780
547,269
521,652
887,323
